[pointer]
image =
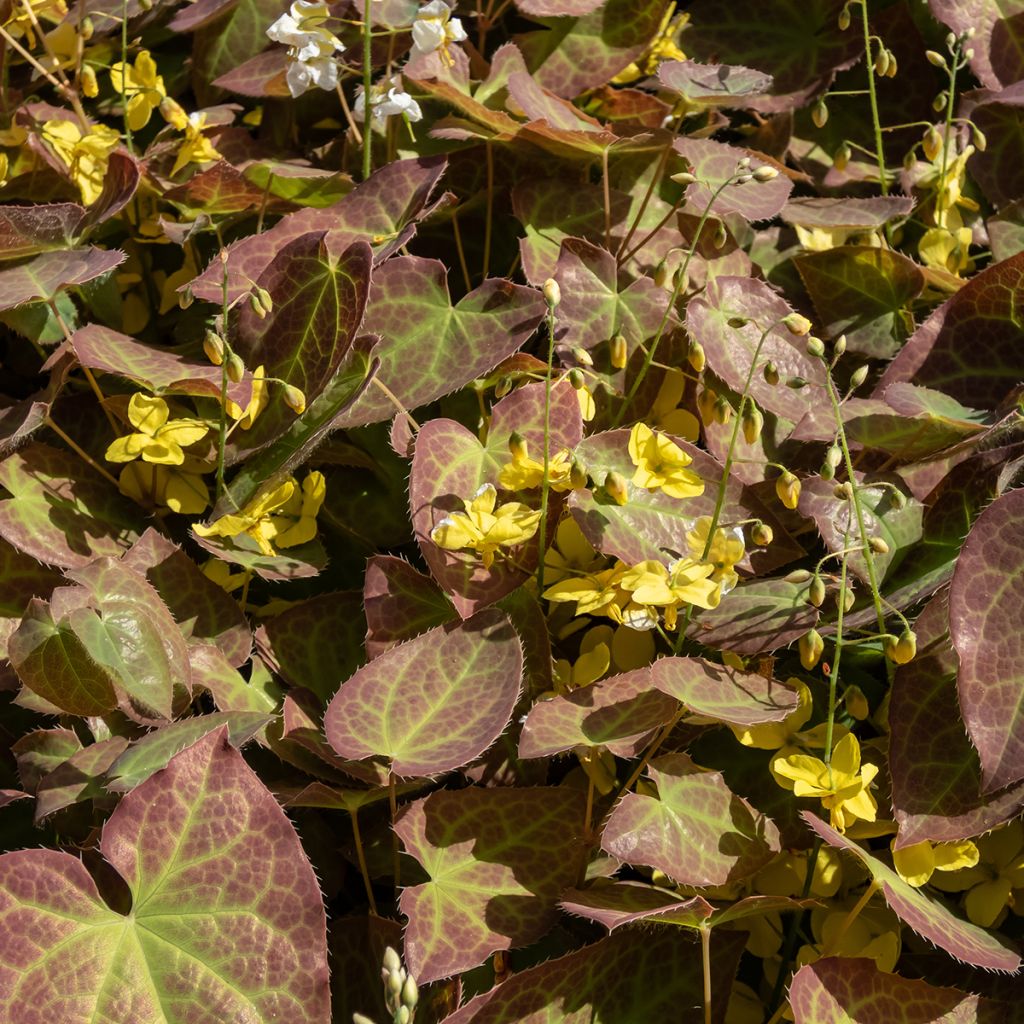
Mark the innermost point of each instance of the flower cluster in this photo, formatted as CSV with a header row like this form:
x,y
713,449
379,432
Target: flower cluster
x,y
312,47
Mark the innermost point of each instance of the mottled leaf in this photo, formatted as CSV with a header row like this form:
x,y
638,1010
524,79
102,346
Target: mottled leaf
x,y
27,230
46,274
923,913
997,47
853,213
695,830
434,703
400,603
78,778
24,578
185,842
40,751
1006,231
716,85
229,40
218,189
497,860
615,904
211,671
999,168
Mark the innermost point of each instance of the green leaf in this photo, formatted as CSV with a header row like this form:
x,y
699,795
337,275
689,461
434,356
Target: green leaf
x,y
186,843
79,778
27,230
45,275
497,860
211,671
713,85
696,830
229,40
40,751
925,915
862,292
434,703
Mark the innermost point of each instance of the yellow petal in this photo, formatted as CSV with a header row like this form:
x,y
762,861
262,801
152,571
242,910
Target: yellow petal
x,y
146,413
985,902
591,665
126,448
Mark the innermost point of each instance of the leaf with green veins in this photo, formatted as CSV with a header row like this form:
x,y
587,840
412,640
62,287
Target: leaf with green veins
x,y
152,752
923,913
862,292
997,44
433,703
985,599
211,671
220,189
497,861
185,843
40,751
715,85
79,778
24,578
723,693
400,603
44,276
845,990
619,713
696,830
60,511
27,230
433,348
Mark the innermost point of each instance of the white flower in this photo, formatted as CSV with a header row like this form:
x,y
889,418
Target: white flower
x,y
435,28
311,46
386,100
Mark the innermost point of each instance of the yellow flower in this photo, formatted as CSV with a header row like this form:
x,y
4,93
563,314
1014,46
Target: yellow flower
x,y
571,553
588,408
873,934
661,463
947,249
598,593
665,412
630,648
842,786
157,438
485,529
786,875
281,518
774,735
917,863
727,548
996,881
524,473
685,581
62,44
664,47
259,401
20,22
197,148
86,155
169,286
181,490
221,574
590,666
141,86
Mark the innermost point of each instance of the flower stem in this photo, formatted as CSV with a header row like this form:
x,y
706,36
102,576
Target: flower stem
x,y
833,675
79,451
705,957
367,86
875,120
545,487
361,857
222,432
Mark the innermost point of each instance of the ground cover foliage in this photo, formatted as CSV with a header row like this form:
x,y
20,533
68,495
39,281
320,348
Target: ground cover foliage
x,y
511,513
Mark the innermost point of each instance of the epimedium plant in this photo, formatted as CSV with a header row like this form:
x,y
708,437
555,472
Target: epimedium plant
x,y
508,512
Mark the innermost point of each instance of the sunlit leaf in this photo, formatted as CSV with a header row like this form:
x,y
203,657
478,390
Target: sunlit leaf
x,y
46,274
400,603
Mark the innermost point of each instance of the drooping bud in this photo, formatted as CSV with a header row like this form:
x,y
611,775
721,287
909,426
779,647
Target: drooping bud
x,y
827,472
787,488
503,387
265,300
761,534
256,306
858,377
848,598
681,280
236,368
706,405
899,499
893,68
938,104
742,179
517,445
552,293
796,383
969,53
771,373
723,412
615,485
185,297
796,323
743,163
936,58
736,322
581,355
765,173
661,275
576,379
978,138
720,237
815,347
843,491
841,157
844,19
618,352
295,399
811,649
951,41
87,80
753,423
856,703
213,347
695,355
816,592
683,178
798,576
906,647
577,475
931,144
882,61
878,545
410,993
819,114
839,348
834,456
86,28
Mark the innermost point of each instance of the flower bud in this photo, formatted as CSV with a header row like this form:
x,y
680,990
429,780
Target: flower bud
x,y
618,352
295,399
856,703
236,368
576,379
403,1015
844,19
878,545
787,488
213,347
503,387
839,348
765,173
265,300
742,179
517,445
816,592
882,62
903,650
86,28
969,53
720,237
970,33
798,576
931,144
391,960
723,410
615,485
841,157
736,322
743,163
661,275
796,324
410,993
87,81
361,1018
695,355
936,58
899,499
796,383
848,598
683,178
256,306
681,280
577,475
706,405
951,40
394,982
815,347
834,456
552,293
978,138
858,377
827,472
811,649
753,423
771,373
938,105
761,534
582,356
819,114
843,491
893,68
185,297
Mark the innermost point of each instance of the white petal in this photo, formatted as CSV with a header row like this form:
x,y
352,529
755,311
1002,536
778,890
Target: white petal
x,y
435,9
455,32
299,78
427,36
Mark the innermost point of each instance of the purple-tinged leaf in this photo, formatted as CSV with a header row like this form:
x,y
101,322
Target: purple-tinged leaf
x,y
434,703
925,915
935,773
969,347
756,617
316,643
855,991
203,610
319,298
27,230
651,524
211,671
557,8
714,163
572,55
522,411
619,713
382,210
218,189
794,41
697,831
119,185
615,904
40,751
730,350
79,778
722,693
854,213
618,980
714,85
262,75
497,860
152,752
24,578
997,47
60,511
998,168
208,936
8,796
1006,231
985,599
400,603
44,276
862,292
433,347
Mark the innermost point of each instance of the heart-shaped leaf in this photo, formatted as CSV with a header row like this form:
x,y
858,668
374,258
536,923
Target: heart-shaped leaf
x,y
434,703
27,230
714,85
44,276
185,843
400,603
